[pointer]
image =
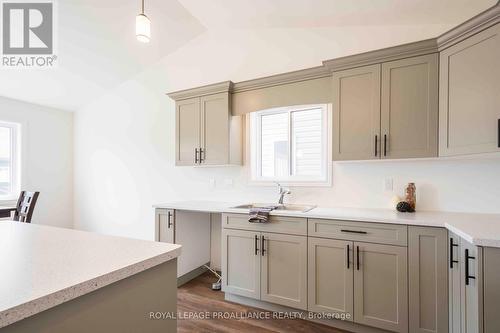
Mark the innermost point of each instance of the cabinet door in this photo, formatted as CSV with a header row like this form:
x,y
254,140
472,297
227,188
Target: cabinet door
x,y
410,107
241,263
381,286
330,276
469,95
187,131
215,129
472,288
428,279
454,283
284,270
165,221
356,110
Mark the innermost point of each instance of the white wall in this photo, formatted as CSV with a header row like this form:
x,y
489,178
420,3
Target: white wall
x,y
124,141
47,158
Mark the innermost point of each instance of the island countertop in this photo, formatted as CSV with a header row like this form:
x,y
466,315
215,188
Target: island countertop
x,y
478,229
43,266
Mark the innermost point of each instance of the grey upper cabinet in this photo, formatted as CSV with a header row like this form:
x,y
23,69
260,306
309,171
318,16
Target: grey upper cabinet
x,y
381,286
187,131
330,271
356,109
388,110
409,107
469,95
428,279
215,114
206,131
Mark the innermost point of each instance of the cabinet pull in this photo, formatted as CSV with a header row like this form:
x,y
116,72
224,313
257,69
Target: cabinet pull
x,y
354,231
498,131
348,259
467,276
169,219
256,245
357,258
262,245
385,144
202,157
196,155
452,261
376,145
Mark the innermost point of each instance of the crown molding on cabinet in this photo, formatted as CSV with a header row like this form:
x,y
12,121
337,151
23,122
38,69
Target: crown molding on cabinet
x,y
210,89
414,49
476,24
279,79
470,27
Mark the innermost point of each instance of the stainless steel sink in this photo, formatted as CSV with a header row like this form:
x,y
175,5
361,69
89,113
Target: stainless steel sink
x,y
294,208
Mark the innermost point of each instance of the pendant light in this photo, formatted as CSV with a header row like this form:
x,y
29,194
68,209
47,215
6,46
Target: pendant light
x,y
142,26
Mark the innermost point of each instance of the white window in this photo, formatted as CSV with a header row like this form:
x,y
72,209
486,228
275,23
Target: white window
x,y
290,145
9,161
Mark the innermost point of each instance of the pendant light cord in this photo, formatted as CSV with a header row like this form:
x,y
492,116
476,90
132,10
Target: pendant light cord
x,y
142,7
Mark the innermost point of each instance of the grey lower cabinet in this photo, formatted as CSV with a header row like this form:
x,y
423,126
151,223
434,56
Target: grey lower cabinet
x,y
465,286
428,279
397,102
381,286
365,280
267,266
469,115
165,224
330,276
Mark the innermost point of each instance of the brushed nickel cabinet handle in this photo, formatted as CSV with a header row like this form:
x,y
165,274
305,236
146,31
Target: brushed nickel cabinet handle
x,y
169,219
196,155
262,246
256,245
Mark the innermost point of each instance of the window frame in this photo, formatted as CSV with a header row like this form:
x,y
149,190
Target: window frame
x,y
254,152
15,157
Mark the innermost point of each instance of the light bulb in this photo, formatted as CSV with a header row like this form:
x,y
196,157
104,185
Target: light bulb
x,y
143,28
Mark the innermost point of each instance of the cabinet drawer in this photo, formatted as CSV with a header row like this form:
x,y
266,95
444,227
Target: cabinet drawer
x,y
359,231
279,224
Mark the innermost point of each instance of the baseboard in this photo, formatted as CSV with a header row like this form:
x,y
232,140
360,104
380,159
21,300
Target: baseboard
x,y
191,275
339,324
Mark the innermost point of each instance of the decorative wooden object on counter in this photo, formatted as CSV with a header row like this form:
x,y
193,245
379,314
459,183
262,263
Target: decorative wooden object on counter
x,y
411,196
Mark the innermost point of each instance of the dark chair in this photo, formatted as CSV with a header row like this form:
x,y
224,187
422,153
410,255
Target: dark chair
x,y
25,206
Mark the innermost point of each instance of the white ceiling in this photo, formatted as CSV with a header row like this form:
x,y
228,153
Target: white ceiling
x,y
98,51
257,14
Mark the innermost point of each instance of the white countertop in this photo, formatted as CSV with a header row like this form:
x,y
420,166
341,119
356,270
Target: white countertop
x,y
478,229
43,266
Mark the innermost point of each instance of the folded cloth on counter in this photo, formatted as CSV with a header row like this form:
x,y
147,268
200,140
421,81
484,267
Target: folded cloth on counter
x,y
260,214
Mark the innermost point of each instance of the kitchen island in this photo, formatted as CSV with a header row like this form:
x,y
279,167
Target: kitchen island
x,y
62,280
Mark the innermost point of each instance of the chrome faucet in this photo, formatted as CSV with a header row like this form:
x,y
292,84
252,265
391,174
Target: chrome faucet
x,y
282,192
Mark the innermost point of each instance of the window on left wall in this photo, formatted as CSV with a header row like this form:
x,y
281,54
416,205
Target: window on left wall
x,y
10,164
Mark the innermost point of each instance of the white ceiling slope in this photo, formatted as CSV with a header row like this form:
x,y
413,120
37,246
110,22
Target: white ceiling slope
x,y
98,51
326,13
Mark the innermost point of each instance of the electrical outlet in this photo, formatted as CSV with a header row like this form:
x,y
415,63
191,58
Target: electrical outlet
x,y
211,181
388,184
